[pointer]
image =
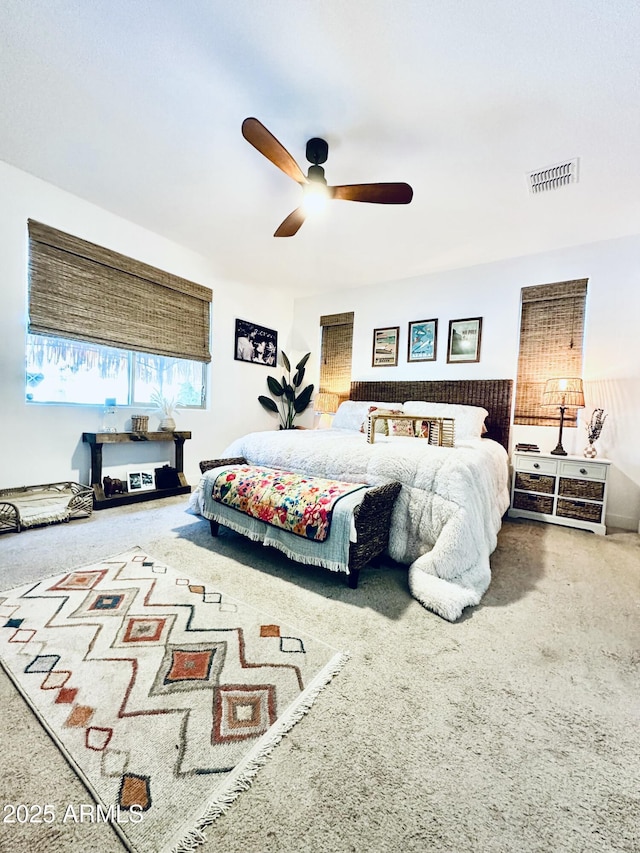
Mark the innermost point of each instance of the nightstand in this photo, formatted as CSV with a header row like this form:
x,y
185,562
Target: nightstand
x,y
569,490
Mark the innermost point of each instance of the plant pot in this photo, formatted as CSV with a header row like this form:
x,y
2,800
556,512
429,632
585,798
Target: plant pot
x,y
167,425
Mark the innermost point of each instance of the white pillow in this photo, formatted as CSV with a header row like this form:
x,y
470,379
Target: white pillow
x,y
469,420
352,413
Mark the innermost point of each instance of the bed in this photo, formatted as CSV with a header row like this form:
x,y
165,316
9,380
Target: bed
x,y
447,516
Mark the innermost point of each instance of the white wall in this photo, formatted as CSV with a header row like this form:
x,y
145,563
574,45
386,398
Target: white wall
x,y
43,443
492,291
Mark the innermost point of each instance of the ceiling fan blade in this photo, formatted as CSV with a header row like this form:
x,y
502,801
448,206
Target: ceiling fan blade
x,y
266,143
376,193
291,224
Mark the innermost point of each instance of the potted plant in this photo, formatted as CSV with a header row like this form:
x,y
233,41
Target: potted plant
x,y
167,407
292,402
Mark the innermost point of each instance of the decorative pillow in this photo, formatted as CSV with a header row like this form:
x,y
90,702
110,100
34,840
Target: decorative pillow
x,y
423,429
381,426
352,413
401,427
469,419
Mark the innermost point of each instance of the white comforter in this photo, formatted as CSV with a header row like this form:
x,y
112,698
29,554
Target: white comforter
x,y
446,519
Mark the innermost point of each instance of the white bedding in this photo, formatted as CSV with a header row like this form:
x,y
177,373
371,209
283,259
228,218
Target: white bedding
x,y
446,519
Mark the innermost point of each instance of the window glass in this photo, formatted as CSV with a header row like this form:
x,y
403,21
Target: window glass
x,y
64,371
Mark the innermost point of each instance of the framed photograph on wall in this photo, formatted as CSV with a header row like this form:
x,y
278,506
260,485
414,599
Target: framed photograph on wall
x,y
141,479
464,340
385,346
422,340
256,344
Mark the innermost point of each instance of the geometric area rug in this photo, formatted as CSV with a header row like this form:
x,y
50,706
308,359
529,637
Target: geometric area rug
x,y
163,693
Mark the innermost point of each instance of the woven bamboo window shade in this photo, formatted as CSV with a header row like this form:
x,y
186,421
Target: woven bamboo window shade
x,y
82,291
335,364
551,333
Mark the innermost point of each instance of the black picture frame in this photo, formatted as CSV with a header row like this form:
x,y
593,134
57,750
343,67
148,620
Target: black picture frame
x,y
255,344
465,337
385,347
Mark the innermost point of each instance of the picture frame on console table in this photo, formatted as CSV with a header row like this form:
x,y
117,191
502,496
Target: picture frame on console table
x,y
422,340
385,347
464,340
141,479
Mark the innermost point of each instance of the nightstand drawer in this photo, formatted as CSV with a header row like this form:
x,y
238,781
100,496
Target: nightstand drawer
x,y
579,510
586,470
532,502
587,489
535,483
536,466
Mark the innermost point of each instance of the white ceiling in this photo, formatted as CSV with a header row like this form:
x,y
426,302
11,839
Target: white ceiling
x,y
136,105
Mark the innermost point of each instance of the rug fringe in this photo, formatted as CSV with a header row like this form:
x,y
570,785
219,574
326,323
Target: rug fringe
x,y
243,775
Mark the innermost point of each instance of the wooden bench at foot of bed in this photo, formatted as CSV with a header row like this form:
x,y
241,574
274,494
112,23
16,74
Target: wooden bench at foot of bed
x,y
372,519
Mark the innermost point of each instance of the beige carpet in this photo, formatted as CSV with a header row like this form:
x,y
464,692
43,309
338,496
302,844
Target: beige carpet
x,y
514,729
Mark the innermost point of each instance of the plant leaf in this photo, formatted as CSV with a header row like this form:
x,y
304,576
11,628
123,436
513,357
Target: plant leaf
x,y
303,399
297,379
303,361
268,403
275,387
285,361
288,392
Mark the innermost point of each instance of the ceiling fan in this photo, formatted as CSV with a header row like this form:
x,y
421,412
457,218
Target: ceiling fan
x,y
314,183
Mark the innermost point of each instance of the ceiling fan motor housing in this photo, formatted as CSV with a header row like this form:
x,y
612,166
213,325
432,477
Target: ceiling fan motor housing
x,y
317,151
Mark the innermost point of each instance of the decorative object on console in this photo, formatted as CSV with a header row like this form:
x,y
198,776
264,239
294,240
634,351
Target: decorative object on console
x,y
563,394
292,402
385,347
113,486
139,423
464,340
422,340
167,407
141,480
594,428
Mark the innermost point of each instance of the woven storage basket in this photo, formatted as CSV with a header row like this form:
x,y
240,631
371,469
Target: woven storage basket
x,y
579,510
535,483
139,423
534,503
571,488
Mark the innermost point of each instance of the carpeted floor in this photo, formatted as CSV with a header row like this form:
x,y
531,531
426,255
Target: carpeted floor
x,y
514,729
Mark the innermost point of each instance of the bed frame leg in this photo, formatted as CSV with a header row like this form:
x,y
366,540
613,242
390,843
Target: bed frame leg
x,y
215,527
352,579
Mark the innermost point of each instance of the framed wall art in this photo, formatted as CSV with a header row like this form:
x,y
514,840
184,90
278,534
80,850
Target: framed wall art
x,y
256,344
464,340
422,340
385,346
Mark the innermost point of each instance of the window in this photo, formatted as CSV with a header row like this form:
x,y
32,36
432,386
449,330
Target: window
x,y
65,371
551,333
102,325
335,363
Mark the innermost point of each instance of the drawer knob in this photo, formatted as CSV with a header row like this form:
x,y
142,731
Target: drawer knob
x,y
583,470
536,464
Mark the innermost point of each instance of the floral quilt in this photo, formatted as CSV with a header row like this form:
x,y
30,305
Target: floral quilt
x,y
294,502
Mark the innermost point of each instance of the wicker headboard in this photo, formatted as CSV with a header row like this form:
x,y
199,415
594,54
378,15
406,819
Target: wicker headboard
x,y
493,394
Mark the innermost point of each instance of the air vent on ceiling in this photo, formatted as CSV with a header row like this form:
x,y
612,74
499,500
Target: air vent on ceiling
x,y
554,177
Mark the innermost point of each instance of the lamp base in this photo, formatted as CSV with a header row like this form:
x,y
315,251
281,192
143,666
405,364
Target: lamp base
x,y
559,451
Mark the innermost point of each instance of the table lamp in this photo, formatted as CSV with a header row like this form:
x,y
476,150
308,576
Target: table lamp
x,y
563,394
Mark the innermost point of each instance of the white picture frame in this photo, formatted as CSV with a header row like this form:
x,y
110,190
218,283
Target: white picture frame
x,y
141,479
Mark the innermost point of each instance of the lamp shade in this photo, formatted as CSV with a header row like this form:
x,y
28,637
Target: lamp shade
x,y
326,403
566,393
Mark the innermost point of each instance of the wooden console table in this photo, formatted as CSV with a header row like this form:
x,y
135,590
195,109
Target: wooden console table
x,y
97,439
